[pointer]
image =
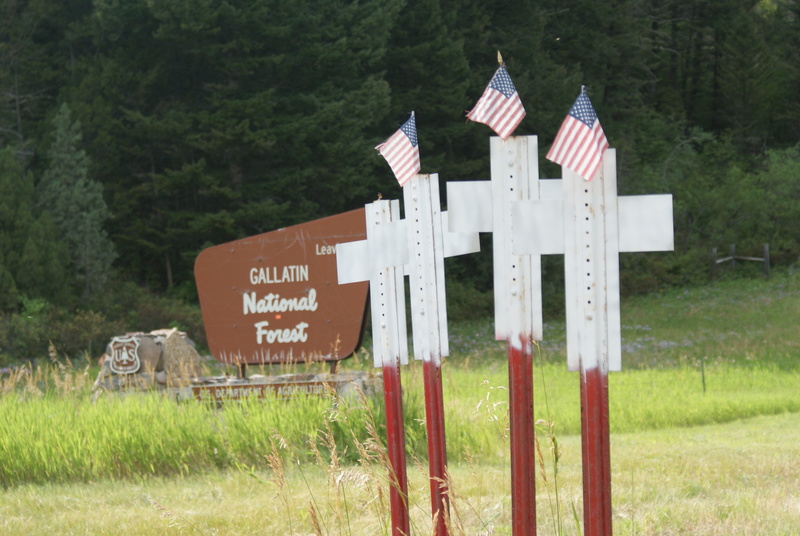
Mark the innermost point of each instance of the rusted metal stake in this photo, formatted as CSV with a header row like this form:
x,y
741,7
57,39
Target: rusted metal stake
x,y
437,449
523,454
395,446
595,440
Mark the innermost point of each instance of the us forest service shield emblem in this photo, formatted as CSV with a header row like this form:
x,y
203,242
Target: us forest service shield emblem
x,y
124,355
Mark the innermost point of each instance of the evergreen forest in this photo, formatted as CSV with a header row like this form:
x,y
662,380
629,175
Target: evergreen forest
x,y
136,133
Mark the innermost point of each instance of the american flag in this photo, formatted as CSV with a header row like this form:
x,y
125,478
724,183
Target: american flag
x,y
499,107
401,151
580,142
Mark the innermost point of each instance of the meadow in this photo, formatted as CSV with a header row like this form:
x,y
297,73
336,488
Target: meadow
x,y
705,422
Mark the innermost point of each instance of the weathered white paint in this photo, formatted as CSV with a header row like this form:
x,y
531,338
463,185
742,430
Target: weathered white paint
x,y
415,246
469,206
591,226
645,223
387,296
379,259
533,217
426,268
352,262
457,243
541,223
487,206
517,278
585,263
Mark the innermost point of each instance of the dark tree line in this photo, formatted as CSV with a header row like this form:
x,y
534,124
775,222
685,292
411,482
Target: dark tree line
x,y
202,121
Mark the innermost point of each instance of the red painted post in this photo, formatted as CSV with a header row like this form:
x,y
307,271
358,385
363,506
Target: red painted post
x,y
595,440
437,450
395,447
523,453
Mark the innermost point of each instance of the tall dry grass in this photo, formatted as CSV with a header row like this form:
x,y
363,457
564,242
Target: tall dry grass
x,y
327,455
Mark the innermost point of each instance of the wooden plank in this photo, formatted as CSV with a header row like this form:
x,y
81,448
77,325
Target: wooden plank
x,y
469,207
387,294
426,267
657,233
517,278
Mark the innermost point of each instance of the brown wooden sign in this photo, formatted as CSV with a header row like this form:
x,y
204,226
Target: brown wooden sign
x,y
275,297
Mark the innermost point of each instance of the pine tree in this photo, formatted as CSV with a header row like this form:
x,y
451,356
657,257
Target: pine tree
x,y
428,72
75,204
32,256
42,270
16,194
229,119
9,295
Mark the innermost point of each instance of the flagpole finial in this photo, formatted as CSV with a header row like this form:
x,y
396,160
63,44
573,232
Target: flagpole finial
x,y
499,58
583,89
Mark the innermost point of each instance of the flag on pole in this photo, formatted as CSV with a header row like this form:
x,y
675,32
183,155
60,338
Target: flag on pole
x,y
401,151
580,142
500,106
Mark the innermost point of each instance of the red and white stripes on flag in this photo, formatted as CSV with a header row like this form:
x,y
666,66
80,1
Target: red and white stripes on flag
x,y
500,106
401,151
580,142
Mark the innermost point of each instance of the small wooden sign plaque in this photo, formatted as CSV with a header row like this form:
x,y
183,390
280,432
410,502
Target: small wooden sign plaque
x,y
227,393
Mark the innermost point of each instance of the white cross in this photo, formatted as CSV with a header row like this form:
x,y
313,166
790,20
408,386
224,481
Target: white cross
x,y
590,225
597,226
486,206
417,246
375,260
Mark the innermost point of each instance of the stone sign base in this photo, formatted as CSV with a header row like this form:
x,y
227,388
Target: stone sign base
x,y
223,389
218,390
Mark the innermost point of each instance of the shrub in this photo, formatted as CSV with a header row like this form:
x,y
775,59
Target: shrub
x,y
464,302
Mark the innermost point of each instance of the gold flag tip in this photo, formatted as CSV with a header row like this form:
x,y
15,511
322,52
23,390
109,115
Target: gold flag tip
x,y
499,58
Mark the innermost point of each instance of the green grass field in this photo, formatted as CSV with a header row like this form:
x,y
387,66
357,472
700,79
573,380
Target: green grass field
x,y
705,421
